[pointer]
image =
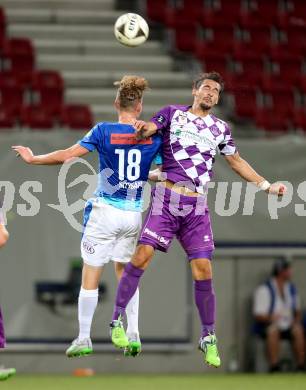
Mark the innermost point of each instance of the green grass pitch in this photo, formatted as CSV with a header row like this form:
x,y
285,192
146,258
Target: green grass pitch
x,y
158,382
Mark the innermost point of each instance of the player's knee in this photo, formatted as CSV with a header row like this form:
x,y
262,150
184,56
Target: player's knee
x,y
297,330
143,256
273,331
201,269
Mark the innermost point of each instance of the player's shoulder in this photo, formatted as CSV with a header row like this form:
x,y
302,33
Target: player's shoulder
x,y
221,121
174,107
222,124
262,290
178,107
104,124
111,126
181,107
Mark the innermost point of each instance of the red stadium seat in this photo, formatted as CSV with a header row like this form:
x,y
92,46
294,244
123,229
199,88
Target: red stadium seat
x,y
271,120
183,19
223,38
287,65
221,42
223,13
36,118
299,119
241,48
7,120
301,83
215,61
283,99
77,116
156,10
281,49
183,12
2,26
245,101
297,11
236,81
262,12
19,54
11,93
296,38
250,66
259,38
186,36
49,87
269,80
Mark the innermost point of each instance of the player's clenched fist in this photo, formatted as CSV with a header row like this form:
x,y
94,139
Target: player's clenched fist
x,y
139,125
277,189
25,153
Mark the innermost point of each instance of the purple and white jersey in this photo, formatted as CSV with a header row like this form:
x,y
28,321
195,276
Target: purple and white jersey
x,y
190,144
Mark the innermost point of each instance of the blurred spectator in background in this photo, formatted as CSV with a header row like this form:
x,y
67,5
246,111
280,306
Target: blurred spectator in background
x,y
278,316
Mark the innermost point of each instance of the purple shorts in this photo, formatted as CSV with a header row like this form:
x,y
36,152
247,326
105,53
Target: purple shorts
x,y
186,217
2,337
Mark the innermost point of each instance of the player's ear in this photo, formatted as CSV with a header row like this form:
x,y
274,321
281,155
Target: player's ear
x,y
116,104
194,91
139,107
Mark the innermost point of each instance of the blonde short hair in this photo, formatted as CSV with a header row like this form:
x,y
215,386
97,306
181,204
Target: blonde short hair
x,y
130,91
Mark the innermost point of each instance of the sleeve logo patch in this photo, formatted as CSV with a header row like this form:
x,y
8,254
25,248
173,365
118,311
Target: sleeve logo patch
x,y
161,119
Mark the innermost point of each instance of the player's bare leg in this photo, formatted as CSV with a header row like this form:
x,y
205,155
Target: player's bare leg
x,y
132,309
88,300
205,301
126,289
273,347
299,345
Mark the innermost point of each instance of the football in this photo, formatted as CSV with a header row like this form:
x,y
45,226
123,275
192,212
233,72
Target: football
x,y
131,29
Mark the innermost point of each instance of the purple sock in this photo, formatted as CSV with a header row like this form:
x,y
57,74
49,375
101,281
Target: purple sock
x,y
126,289
206,303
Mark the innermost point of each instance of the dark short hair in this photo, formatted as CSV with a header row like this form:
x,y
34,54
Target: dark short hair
x,y
215,76
280,265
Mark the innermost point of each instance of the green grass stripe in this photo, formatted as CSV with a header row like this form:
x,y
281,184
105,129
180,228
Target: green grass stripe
x,y
206,381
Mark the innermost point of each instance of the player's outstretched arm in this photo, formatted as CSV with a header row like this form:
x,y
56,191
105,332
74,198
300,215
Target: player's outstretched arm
x,y
4,235
156,174
144,129
244,169
53,158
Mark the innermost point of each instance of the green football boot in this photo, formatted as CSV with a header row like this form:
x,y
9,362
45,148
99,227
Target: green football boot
x,y
208,345
80,348
6,373
119,338
134,347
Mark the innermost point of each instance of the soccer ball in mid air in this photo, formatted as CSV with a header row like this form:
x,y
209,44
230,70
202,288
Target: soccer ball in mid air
x,y
131,29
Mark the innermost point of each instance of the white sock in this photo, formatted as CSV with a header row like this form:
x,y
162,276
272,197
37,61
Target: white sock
x,y
88,300
132,316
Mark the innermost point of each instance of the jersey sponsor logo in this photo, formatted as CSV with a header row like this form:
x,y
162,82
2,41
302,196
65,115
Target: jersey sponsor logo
x,y
129,139
215,130
130,186
182,119
161,119
193,138
89,247
161,239
200,123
